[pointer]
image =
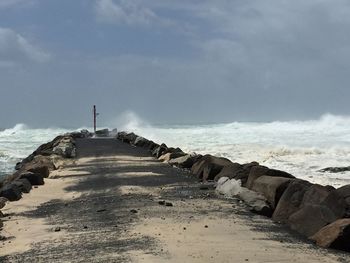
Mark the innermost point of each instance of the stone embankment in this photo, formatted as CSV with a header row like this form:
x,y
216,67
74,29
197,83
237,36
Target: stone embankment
x,y
32,171
319,213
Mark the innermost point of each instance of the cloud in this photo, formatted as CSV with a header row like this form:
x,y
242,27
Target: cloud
x,y
13,3
124,12
16,48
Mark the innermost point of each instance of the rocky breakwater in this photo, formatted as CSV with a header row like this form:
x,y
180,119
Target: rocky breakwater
x,y
33,170
319,213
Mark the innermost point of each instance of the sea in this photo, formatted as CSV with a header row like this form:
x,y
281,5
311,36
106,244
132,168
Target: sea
x,y
301,148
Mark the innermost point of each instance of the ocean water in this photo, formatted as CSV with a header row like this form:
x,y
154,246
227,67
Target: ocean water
x,y
18,142
298,147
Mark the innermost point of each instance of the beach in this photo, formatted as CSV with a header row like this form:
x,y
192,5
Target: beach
x,y
116,203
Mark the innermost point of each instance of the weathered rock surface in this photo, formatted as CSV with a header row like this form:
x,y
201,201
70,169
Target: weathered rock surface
x,y
24,185
33,178
341,195
11,192
271,187
102,133
259,170
311,218
127,137
335,235
159,150
207,167
185,161
170,155
290,200
3,202
256,201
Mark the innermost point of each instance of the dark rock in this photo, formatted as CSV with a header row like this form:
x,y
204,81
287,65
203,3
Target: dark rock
x,y
335,235
23,184
168,204
3,202
57,229
207,167
185,161
11,192
335,169
271,187
310,219
140,141
316,194
162,202
291,200
158,151
258,170
102,133
341,193
236,171
134,211
33,178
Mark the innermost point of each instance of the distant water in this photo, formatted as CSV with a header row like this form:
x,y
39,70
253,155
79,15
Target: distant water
x,y
298,147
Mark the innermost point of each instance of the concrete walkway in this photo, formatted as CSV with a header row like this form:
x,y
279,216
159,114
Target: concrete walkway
x,y
105,207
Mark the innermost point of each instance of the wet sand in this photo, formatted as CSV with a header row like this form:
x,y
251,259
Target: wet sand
x,y
105,208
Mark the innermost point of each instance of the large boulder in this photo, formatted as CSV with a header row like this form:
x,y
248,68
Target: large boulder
x,y
170,155
102,133
236,171
335,169
207,167
316,194
271,187
23,184
256,201
290,200
343,194
159,150
65,147
140,141
33,178
11,192
259,170
185,161
335,235
311,218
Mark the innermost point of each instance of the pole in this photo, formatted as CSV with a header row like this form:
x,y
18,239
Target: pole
x,y
94,118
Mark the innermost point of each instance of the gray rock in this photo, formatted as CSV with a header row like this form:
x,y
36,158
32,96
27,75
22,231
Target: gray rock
x,y
11,192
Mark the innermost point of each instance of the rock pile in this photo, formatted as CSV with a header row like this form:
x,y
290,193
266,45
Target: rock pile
x,y
32,170
320,213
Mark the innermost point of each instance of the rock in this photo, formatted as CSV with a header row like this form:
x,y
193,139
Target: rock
x,y
290,200
140,141
341,193
316,194
271,187
33,178
158,151
310,219
23,184
170,155
3,202
102,133
11,192
256,201
335,169
236,171
127,137
335,235
57,229
134,211
185,161
259,170
162,202
65,148
173,150
168,204
207,167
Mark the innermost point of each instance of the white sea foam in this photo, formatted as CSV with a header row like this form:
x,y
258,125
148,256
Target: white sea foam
x,y
298,147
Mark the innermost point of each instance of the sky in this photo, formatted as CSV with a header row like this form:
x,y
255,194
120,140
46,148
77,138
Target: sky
x,y
184,61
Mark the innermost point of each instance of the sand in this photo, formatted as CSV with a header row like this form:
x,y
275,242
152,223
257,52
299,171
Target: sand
x,y
106,205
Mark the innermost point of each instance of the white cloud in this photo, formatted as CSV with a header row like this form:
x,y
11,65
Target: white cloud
x,y
15,48
124,12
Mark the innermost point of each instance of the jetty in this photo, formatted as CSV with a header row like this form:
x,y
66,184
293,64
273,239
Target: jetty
x,y
114,201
